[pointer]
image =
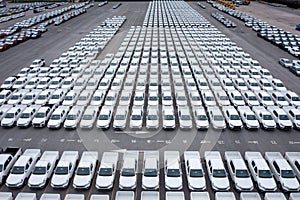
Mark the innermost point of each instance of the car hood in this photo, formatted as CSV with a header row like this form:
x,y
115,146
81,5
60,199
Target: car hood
x,y
104,181
7,121
135,123
291,183
267,183
173,182
150,182
38,120
169,122
53,122
220,183
152,123
37,179
81,180
59,179
23,121
127,182
70,123
14,179
119,123
197,183
244,183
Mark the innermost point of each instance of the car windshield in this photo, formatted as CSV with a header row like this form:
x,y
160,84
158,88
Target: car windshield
x,y
242,173
105,172
120,117
128,172
297,117
61,170
196,98
287,174
295,99
15,97
1,168
28,97
152,117
267,98
238,98
41,97
40,115
196,173
252,98
283,117
68,98
264,174
185,117
173,173
229,84
138,98
87,117
152,98
136,117
83,171
39,170
219,173
55,96
24,115
110,98
103,117
234,117
71,117
82,98
150,172
167,98
267,117
9,115
17,170
280,99
210,98
223,98
55,117
168,117
251,117
218,118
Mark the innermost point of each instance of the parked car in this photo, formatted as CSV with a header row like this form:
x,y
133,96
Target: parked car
x,y
128,172
172,170
150,172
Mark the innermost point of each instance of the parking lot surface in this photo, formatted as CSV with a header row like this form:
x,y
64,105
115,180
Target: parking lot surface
x,y
59,38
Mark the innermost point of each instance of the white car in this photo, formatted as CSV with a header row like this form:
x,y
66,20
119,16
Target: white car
x,y
216,171
42,116
195,98
32,83
264,117
167,99
280,117
292,98
185,118
238,171
43,169
283,172
172,170
27,116
12,115
222,98
294,115
64,169
43,83
216,117
208,98
70,98
260,171
250,98
43,97
55,83
253,84
120,117
85,170
248,117
20,83
22,168
294,160
84,98
57,97
227,84
194,170
266,85
107,171
240,84
168,117
98,98
17,97
136,117
264,98
236,98
200,116
73,117
30,97
111,98
139,98
278,85
80,84
37,63
58,117
89,117
8,82
150,172
105,117
4,96
128,173
152,117
279,99
153,99
232,117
